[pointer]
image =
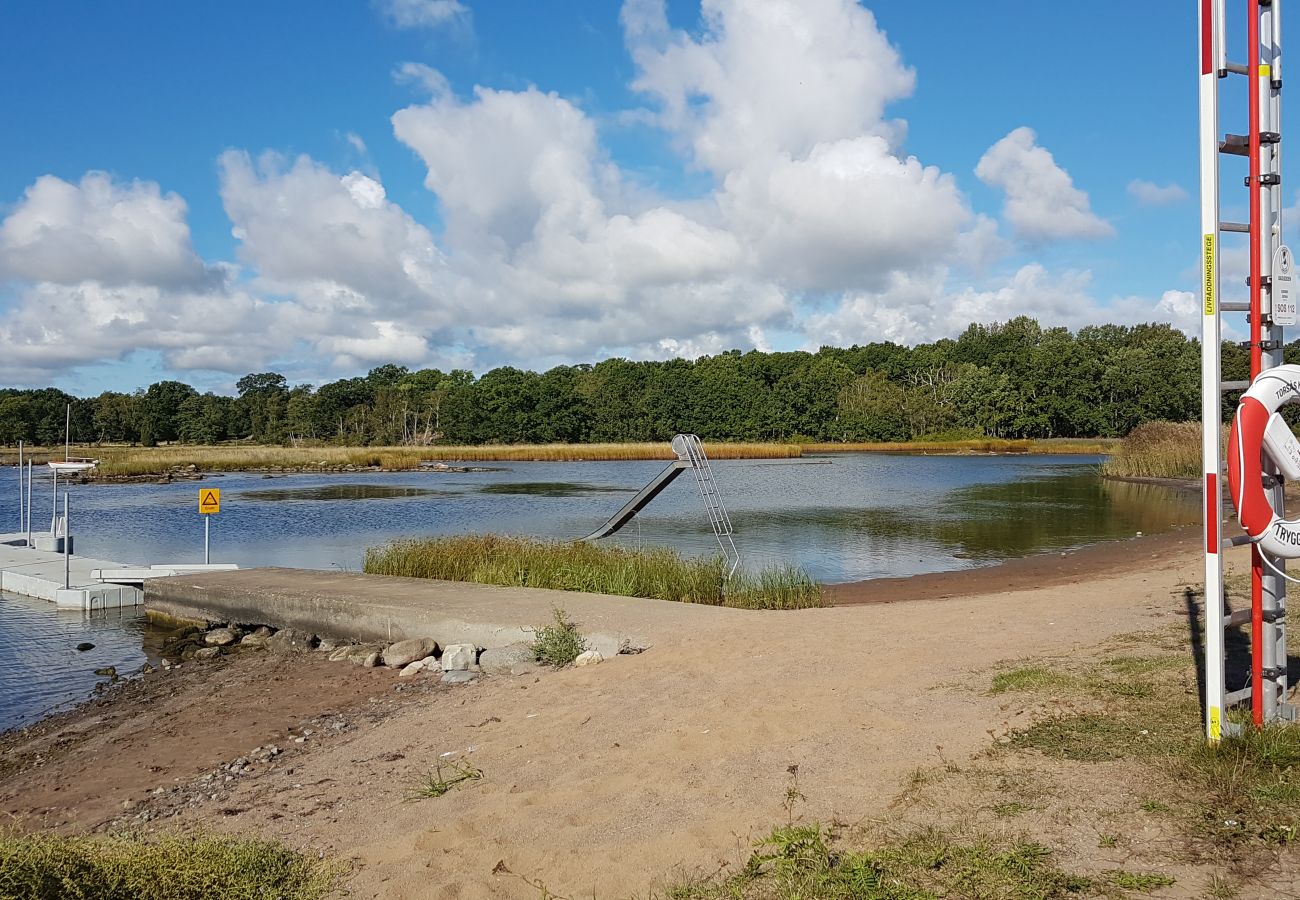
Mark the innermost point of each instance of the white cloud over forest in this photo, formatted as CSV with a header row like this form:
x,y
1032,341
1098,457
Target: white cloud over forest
x,y
817,224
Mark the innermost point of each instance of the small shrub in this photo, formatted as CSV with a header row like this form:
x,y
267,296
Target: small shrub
x,y
559,643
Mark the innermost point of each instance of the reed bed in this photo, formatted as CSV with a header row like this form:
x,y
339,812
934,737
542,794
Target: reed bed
x,y
1158,450
39,455
659,574
1089,446
136,461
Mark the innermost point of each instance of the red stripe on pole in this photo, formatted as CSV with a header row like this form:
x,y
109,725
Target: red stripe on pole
x,y
1256,352
1207,37
1212,512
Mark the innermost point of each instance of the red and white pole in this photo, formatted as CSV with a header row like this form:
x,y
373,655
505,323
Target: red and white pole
x,y
1211,61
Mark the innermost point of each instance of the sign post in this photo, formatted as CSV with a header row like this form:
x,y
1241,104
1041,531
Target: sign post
x,y
209,506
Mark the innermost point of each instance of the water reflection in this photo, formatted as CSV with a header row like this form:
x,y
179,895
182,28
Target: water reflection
x,y
554,488
40,667
342,492
992,522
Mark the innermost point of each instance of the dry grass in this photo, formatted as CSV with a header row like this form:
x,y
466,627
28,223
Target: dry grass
x,y
120,461
1061,446
659,574
1158,450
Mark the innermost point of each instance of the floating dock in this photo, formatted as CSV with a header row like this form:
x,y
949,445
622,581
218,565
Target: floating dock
x,y
92,584
40,573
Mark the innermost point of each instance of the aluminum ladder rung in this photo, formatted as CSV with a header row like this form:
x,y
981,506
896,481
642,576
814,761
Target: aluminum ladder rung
x,y
1234,306
1235,227
1235,144
1237,617
1229,386
1233,698
1235,68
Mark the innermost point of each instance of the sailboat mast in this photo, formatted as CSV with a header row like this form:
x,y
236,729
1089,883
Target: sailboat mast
x,y
67,431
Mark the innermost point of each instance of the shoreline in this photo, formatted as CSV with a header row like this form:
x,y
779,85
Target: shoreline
x,y
1039,570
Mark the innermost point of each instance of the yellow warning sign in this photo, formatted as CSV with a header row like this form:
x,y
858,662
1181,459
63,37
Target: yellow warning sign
x,y
1216,726
210,501
1211,279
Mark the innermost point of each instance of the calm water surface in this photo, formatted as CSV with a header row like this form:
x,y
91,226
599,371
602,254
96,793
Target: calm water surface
x,y
841,517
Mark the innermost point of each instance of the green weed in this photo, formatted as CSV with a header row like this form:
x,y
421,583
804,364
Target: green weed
x,y
559,643
443,778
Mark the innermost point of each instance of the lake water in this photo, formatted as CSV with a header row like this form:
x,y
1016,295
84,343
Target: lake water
x,y
841,517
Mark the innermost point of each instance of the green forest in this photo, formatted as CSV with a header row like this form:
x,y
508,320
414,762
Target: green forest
x,y
1008,380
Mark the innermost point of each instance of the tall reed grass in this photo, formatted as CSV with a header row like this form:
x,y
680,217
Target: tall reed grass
x,y
1087,446
659,574
1158,450
126,461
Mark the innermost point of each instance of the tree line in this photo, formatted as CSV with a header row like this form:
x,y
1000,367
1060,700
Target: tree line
x,y
1013,380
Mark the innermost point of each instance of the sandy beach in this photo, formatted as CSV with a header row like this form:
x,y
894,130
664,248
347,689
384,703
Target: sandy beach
x,y
616,779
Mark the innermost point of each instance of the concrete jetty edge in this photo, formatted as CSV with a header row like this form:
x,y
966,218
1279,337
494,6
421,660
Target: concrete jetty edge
x,y
352,606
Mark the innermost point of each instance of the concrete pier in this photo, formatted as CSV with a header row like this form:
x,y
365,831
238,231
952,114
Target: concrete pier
x,y
40,573
383,608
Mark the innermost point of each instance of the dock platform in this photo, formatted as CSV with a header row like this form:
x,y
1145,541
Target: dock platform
x,y
40,573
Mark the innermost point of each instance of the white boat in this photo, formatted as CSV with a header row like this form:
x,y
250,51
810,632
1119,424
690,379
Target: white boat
x,y
70,465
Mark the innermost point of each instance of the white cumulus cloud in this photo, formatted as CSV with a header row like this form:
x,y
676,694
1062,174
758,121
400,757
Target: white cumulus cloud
x,y
114,232
815,223
1148,193
422,13
1042,203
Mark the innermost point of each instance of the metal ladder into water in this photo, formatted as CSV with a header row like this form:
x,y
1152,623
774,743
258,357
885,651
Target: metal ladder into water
x,y
689,450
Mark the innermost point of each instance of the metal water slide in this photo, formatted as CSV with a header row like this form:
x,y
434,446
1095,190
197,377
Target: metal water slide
x,y
690,456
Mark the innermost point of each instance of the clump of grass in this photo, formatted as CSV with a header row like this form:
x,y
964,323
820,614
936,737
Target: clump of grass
x,y
1158,450
778,587
443,778
657,573
1028,678
559,643
1248,786
801,861
167,868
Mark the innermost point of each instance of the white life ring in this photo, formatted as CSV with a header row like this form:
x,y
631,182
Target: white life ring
x,y
1258,429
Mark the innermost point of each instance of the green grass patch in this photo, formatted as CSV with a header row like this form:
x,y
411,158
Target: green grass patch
x,y
802,861
1243,791
1029,678
172,867
660,574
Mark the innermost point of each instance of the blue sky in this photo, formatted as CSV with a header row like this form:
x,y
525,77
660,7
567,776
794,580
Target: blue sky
x,y
154,94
